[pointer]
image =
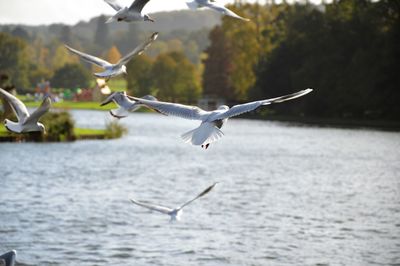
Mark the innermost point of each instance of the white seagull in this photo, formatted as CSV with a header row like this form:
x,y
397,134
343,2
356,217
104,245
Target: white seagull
x,y
125,103
196,4
128,14
26,122
176,213
211,121
112,70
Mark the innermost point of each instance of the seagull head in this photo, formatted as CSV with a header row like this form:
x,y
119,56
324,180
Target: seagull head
x,y
148,18
113,96
223,107
124,70
42,128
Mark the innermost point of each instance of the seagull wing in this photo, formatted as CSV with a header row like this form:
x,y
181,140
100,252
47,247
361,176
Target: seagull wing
x,y
248,107
175,109
43,108
138,5
114,4
207,190
138,50
153,207
223,10
18,106
90,58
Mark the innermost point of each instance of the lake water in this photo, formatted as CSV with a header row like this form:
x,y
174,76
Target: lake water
x,y
289,195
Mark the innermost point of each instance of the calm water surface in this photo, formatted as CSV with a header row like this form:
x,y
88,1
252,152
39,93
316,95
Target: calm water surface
x,y
289,195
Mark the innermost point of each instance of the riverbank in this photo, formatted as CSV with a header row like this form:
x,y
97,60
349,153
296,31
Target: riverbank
x,y
79,134
331,122
69,105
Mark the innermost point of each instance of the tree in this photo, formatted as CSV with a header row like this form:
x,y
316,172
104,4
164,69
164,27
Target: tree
x,y
176,78
113,55
102,35
218,66
139,78
62,57
71,76
14,60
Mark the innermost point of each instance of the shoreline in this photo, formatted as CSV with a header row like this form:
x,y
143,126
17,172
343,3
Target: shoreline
x,y
385,125
331,122
79,134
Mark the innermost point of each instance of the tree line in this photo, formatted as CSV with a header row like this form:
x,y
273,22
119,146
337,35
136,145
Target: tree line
x,y
347,50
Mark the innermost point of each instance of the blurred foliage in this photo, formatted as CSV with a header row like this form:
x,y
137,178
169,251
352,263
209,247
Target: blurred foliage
x,y
71,76
114,130
171,76
59,126
14,60
346,50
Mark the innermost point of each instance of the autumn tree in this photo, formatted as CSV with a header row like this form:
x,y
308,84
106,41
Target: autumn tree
x,y
113,55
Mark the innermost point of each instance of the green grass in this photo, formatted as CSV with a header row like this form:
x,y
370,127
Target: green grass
x,y
3,130
88,131
77,131
75,105
115,84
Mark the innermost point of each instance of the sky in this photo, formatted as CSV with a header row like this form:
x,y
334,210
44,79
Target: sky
x,y
38,12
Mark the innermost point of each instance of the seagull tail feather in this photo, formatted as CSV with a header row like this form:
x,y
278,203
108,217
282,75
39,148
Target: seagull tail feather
x,y
206,133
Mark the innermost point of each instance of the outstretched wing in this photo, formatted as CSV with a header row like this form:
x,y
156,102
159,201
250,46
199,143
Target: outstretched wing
x,y
223,10
43,108
138,50
207,190
18,106
175,109
114,4
248,107
90,58
138,5
153,207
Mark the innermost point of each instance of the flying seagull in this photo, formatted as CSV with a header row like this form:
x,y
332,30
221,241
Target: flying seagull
x,y
8,258
112,70
125,103
128,14
173,213
26,122
196,4
211,121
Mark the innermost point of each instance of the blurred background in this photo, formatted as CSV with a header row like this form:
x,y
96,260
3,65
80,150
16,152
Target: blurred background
x,y
314,181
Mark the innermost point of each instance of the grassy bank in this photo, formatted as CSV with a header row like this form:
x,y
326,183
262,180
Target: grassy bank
x,y
80,133
68,105
330,122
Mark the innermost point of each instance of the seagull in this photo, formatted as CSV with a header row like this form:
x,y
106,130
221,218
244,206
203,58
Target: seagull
x,y
128,14
211,121
126,105
112,70
196,4
26,122
9,258
176,213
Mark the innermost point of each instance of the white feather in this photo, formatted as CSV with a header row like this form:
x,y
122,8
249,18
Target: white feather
x,y
206,133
